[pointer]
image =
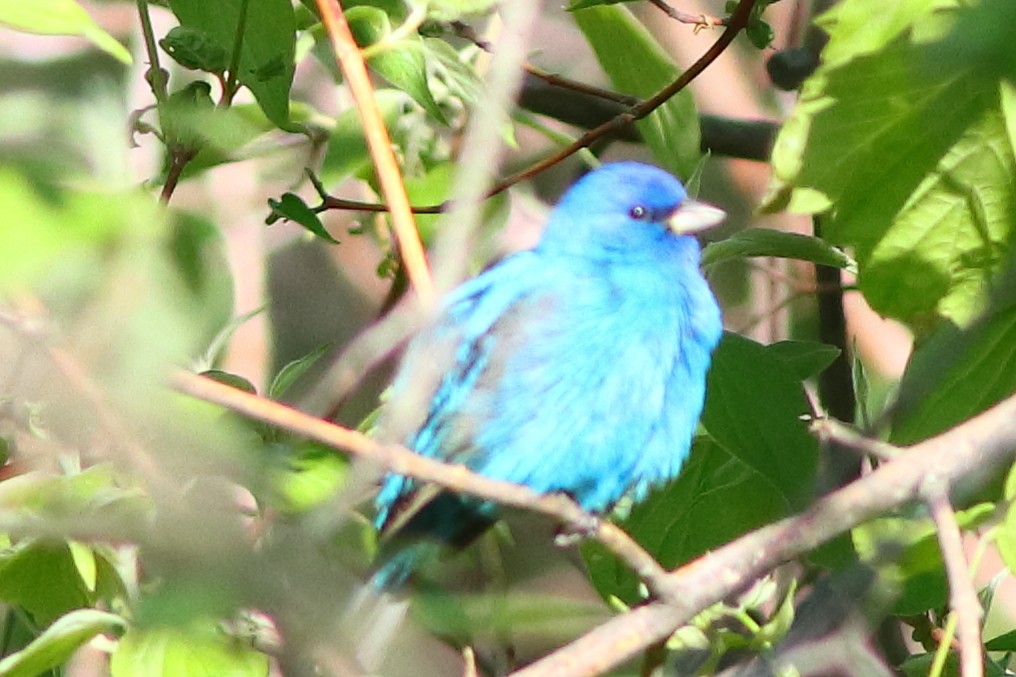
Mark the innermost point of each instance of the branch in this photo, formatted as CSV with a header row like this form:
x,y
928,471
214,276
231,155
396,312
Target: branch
x,y
735,24
378,142
398,459
971,451
962,594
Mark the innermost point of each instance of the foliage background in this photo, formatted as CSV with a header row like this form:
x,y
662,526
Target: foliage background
x,y
149,533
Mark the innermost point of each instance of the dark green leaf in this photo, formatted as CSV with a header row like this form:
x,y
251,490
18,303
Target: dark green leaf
x,y
806,359
289,374
754,405
957,372
1004,642
266,54
715,499
193,48
291,206
768,242
231,380
637,65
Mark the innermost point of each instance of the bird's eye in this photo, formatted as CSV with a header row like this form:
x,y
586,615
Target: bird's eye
x,y
639,213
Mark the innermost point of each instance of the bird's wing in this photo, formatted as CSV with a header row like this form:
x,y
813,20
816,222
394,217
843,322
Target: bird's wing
x,y
441,370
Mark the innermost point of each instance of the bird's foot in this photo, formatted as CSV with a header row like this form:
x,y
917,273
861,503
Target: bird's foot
x,y
570,534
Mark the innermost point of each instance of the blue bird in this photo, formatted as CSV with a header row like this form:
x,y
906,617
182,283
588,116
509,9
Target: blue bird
x,y
578,366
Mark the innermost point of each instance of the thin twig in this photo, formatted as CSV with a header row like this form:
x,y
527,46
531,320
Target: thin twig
x,y
962,594
402,461
700,21
378,142
232,82
833,430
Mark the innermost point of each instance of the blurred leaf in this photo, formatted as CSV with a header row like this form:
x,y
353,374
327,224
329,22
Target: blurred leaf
x,y
450,10
754,405
290,373
347,150
716,498
806,359
908,557
200,651
43,579
199,252
767,242
637,65
980,42
59,641
266,55
311,477
60,17
1006,540
194,49
291,206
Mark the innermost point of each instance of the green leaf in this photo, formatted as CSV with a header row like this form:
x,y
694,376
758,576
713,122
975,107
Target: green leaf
x,y
806,359
194,49
266,55
43,579
1004,642
403,63
347,150
716,498
58,643
450,10
754,405
199,651
60,17
291,206
952,236
957,373
917,165
1006,540
637,65
199,252
289,374
231,380
767,242
584,4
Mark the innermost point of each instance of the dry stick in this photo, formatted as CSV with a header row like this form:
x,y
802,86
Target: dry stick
x,y
355,71
962,594
979,445
402,461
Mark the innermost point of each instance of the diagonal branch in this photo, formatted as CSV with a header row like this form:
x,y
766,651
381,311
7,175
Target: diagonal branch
x,y
400,460
972,451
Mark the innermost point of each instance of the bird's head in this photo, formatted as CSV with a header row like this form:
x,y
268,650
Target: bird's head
x,y
625,209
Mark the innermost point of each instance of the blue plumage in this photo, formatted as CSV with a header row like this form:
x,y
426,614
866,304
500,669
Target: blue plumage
x,y
577,367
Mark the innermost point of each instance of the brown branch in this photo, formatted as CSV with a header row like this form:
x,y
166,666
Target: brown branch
x,y
378,142
971,451
700,21
962,594
735,24
400,460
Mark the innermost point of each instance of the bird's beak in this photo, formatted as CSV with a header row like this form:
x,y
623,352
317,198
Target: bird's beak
x,y
692,217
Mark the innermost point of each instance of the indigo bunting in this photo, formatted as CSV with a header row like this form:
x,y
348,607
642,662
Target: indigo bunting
x,y
578,366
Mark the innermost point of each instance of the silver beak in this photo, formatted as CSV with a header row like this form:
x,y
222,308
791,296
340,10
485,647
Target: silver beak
x,y
693,216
